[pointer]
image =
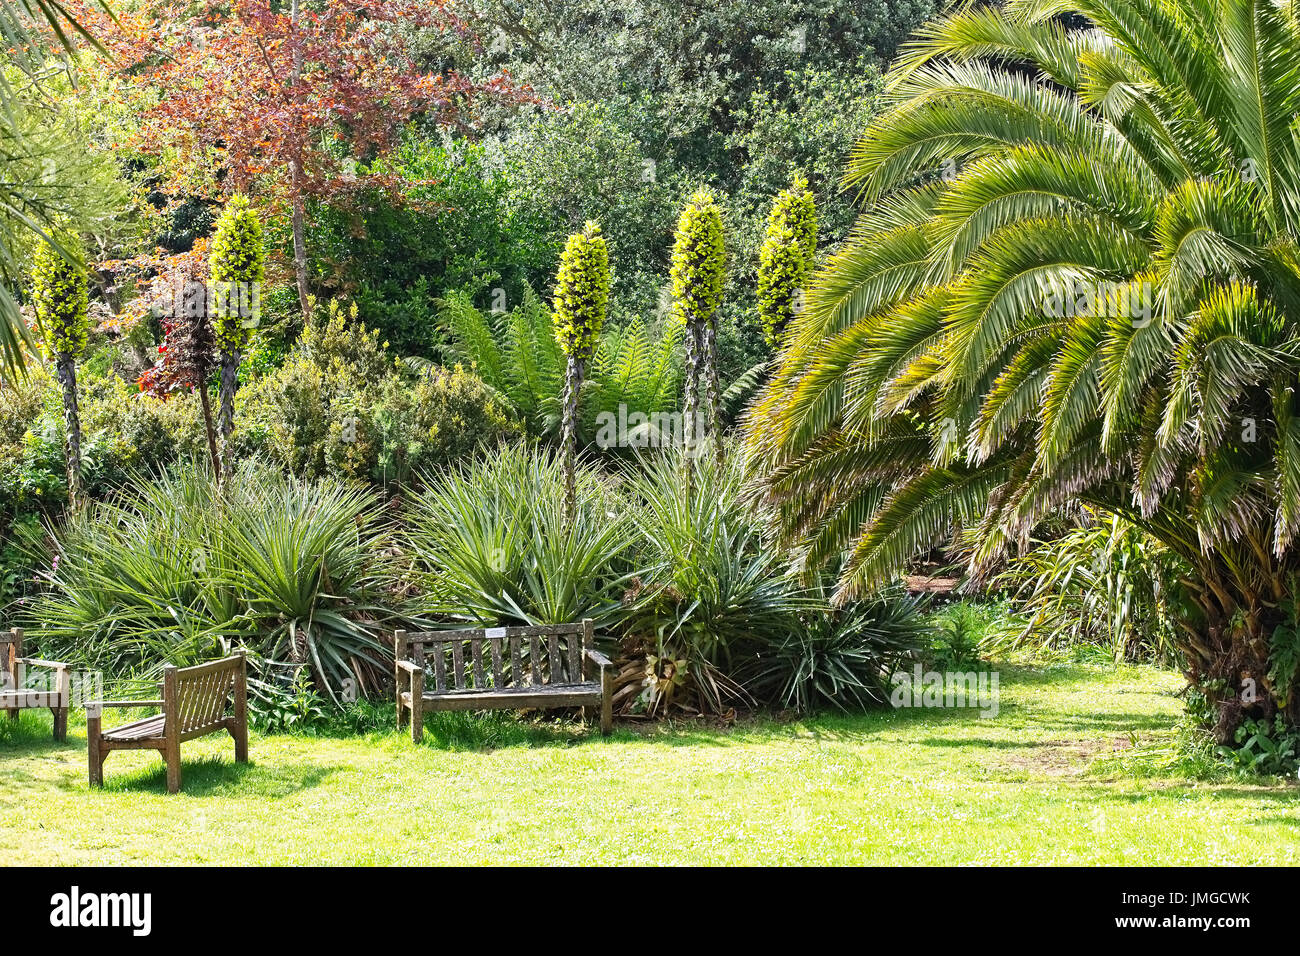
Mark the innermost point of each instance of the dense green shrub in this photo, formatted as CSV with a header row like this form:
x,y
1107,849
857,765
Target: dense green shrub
x,y
339,406
450,224
1106,584
441,417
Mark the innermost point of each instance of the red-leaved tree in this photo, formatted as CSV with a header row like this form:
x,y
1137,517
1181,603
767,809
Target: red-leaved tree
x,y
280,99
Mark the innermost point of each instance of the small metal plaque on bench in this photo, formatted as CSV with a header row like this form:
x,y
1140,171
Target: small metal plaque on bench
x,y
494,632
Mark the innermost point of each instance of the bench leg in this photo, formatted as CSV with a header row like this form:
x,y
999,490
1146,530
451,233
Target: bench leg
x,y
240,732
60,723
417,720
399,711
417,706
13,713
606,701
172,757
95,753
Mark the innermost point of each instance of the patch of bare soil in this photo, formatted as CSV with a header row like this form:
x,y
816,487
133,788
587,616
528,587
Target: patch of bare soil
x,y
1065,758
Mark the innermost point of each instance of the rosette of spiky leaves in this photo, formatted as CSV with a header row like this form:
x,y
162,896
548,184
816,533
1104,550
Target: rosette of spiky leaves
x,y
699,269
786,257
237,266
60,297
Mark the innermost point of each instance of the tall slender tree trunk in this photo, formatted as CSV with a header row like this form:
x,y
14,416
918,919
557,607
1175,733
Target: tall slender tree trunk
x,y
299,219
710,356
569,427
66,368
299,212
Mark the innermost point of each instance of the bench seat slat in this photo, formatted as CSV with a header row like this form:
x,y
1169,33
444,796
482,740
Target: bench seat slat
x,y
149,727
552,695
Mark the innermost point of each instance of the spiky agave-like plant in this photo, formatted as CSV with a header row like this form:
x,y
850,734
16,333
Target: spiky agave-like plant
x,y
238,268
1077,279
786,257
581,300
61,299
699,269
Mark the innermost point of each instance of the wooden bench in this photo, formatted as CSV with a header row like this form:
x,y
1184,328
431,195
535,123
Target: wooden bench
x,y
15,695
502,668
194,704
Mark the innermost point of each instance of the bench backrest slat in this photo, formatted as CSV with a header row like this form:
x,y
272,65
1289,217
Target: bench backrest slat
x,y
196,697
538,656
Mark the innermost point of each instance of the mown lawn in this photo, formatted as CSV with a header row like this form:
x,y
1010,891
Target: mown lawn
x,y
892,787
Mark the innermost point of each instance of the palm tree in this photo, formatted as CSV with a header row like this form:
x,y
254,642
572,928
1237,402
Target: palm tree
x,y
1077,279
43,178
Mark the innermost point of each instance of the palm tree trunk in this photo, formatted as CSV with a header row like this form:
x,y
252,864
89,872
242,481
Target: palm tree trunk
x,y
572,385
67,375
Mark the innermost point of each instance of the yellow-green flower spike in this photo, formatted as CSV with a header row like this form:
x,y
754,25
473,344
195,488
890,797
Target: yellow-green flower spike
x,y
786,258
61,298
238,269
581,292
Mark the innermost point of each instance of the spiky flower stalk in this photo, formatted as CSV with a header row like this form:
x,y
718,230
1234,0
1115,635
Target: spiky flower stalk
x,y
581,300
698,271
786,257
235,298
61,299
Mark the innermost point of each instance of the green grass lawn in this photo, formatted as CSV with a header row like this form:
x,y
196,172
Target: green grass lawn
x,y
1032,785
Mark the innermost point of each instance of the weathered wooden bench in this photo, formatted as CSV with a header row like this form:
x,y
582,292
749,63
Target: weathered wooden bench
x,y
194,704
15,695
502,668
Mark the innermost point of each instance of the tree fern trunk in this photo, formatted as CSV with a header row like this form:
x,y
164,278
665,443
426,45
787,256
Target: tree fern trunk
x,y
572,384
226,419
67,375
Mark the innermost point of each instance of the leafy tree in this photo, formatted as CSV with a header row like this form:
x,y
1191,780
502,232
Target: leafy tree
x,y
188,354
786,258
237,273
59,293
581,301
280,98
1077,279
698,273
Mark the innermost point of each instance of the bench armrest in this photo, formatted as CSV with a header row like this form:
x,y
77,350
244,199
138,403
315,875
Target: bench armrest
x,y
409,666
597,658
37,662
123,703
